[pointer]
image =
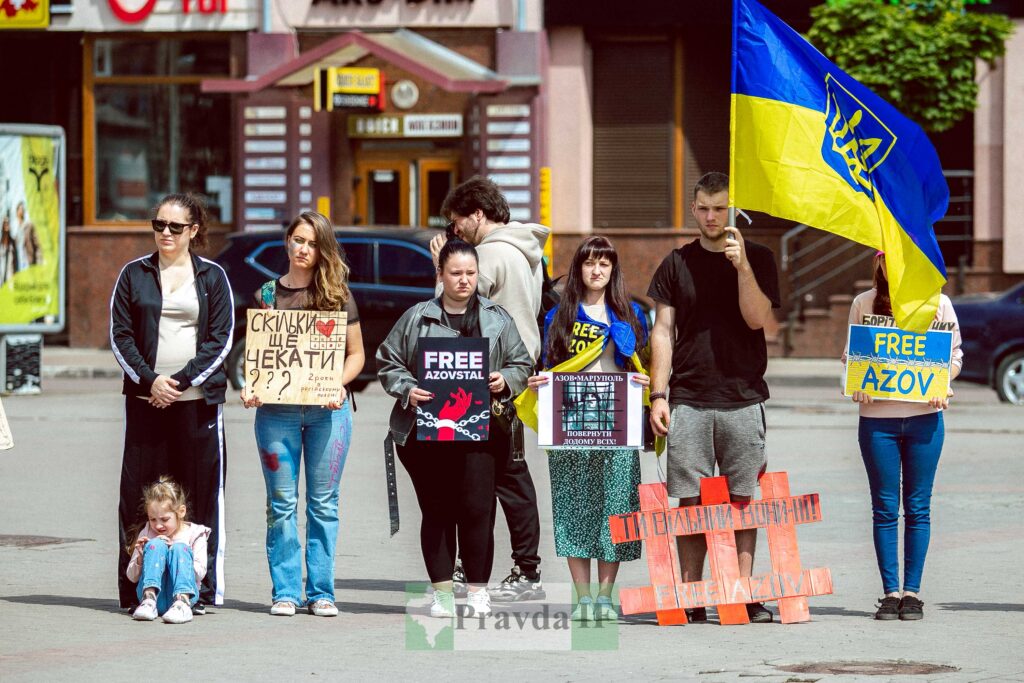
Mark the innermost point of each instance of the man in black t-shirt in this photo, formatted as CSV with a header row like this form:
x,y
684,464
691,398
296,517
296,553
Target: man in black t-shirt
x,y
713,296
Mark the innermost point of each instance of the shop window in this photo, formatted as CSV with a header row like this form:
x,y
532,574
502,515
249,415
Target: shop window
x,y
155,139
142,57
149,129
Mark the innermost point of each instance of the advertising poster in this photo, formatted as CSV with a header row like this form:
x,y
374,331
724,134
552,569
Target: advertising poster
x,y
455,370
24,14
31,228
890,363
295,357
590,410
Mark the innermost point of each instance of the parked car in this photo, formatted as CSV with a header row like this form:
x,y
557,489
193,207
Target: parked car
x,y
391,270
992,327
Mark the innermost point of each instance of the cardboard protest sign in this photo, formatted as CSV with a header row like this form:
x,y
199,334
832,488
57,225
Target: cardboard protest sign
x,y
890,363
590,410
455,370
296,356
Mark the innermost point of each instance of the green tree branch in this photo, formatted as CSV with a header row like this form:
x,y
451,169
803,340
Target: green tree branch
x,y
919,56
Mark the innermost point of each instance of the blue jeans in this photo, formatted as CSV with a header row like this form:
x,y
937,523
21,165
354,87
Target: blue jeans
x,y
285,434
169,569
913,445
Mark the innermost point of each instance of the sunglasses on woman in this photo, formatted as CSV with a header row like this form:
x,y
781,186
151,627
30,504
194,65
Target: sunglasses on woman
x,y
175,228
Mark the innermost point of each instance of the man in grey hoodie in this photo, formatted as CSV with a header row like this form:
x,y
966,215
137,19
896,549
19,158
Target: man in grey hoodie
x,y
510,262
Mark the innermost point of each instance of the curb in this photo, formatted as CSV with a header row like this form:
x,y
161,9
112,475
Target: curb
x,y
78,372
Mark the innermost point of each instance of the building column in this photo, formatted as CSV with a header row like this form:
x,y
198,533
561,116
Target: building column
x,y
570,132
1013,152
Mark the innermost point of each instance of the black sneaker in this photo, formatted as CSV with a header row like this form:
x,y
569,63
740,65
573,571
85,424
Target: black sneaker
x,y
758,614
888,608
518,586
199,608
697,615
911,609
459,580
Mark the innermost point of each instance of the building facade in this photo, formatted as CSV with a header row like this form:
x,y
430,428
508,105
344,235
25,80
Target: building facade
x,y
596,118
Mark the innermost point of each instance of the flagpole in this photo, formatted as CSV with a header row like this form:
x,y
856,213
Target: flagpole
x,y
732,116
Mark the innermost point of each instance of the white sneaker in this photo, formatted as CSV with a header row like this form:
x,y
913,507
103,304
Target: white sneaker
x,y
323,608
283,609
146,611
584,610
443,605
604,610
178,613
479,601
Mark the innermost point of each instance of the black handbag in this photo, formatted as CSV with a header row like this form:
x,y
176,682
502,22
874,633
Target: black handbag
x,y
505,418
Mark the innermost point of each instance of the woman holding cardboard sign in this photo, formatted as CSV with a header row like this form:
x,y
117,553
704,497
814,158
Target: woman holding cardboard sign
x,y
170,330
317,280
901,440
596,325
454,480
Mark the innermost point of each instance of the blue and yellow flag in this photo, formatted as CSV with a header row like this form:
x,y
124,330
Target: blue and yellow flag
x,y
811,144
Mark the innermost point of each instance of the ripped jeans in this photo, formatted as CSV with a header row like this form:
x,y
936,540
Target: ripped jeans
x,y
285,435
170,570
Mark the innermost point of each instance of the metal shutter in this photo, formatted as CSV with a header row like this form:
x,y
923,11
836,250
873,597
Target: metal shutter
x,y
633,125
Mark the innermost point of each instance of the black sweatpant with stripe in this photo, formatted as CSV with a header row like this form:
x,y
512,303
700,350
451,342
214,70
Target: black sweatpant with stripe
x,y
186,441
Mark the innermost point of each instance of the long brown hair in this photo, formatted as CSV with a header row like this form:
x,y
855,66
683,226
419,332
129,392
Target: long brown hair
x,y
329,288
882,304
615,298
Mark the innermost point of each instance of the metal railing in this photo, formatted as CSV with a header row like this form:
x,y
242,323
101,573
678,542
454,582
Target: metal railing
x,y
819,264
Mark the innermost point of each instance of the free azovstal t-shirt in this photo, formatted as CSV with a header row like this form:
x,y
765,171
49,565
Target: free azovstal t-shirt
x,y
717,360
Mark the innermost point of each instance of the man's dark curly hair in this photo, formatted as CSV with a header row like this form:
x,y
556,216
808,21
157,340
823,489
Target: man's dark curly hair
x,y
476,193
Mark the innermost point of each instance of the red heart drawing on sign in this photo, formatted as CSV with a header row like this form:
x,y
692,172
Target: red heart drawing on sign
x,y
325,328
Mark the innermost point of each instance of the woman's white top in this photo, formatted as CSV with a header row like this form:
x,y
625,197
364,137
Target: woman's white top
x,y
179,328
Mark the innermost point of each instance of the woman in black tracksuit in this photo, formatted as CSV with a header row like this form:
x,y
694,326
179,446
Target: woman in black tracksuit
x,y
171,319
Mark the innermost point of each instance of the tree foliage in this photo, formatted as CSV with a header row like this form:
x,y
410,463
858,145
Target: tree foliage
x,y
919,56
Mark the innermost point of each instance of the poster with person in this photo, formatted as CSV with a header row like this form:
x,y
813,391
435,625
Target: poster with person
x,y
31,228
588,410
455,371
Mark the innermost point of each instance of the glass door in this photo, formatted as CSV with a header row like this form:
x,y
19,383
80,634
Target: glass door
x,y
382,194
436,178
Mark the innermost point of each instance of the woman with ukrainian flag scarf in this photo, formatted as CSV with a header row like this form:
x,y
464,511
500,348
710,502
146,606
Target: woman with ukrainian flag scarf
x,y
595,328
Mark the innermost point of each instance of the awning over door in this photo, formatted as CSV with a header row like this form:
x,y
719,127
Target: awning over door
x,y
405,49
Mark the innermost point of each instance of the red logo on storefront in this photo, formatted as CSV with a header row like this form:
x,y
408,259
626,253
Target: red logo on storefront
x,y
11,8
131,16
187,6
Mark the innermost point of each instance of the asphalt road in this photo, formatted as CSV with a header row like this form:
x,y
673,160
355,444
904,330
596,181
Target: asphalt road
x,y
59,619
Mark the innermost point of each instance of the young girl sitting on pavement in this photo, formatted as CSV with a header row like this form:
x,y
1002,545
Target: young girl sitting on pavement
x,y
169,556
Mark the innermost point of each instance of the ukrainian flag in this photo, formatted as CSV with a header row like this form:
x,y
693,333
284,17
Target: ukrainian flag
x,y
811,144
